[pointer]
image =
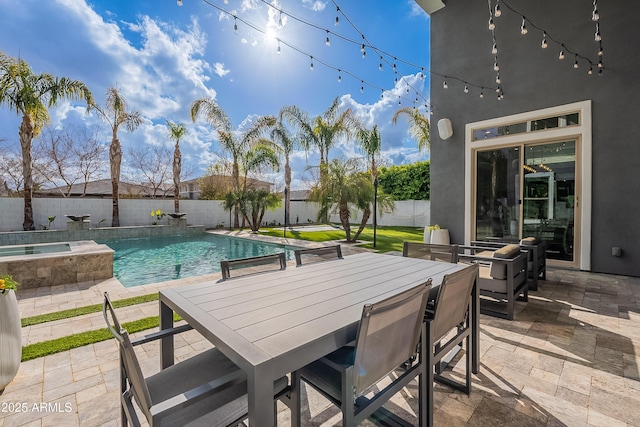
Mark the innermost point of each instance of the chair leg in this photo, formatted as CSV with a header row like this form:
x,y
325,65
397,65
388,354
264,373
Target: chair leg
x,y
348,399
296,399
426,379
469,364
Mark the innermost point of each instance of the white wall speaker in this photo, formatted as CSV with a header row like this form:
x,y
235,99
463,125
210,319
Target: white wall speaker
x,y
445,130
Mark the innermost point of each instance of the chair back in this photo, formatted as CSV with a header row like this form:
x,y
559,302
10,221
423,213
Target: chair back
x,y
137,384
433,252
256,261
452,302
320,254
388,335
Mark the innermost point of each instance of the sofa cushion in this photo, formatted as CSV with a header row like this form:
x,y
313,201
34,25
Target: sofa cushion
x,y
508,251
488,282
529,241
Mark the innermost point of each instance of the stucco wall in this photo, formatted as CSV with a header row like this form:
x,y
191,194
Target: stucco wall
x,y
534,78
199,212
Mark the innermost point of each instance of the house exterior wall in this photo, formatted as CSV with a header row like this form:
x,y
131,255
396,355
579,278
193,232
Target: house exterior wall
x,y
533,79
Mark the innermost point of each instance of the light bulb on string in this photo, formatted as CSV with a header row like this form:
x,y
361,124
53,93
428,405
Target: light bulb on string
x,y
498,89
422,73
445,85
544,44
466,89
494,49
597,36
561,55
595,16
380,65
492,26
364,54
179,2
497,12
381,93
496,67
362,45
600,72
498,80
523,27
600,64
235,25
407,91
311,65
337,18
279,51
394,65
575,64
362,86
600,50
590,70
395,80
327,42
339,77
482,93
280,20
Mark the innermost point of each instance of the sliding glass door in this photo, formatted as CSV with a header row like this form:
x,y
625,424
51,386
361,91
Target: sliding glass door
x,y
528,190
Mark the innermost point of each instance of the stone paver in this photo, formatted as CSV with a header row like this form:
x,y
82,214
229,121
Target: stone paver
x,y
571,357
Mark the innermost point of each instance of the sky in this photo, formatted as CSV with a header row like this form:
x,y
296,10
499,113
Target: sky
x,y
163,56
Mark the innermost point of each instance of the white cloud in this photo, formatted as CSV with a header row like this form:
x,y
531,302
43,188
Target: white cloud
x,y
315,5
219,69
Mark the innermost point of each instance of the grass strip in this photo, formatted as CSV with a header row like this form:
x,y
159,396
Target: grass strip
x,y
79,311
57,345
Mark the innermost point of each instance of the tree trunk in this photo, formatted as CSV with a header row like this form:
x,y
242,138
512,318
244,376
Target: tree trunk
x,y
344,220
366,213
177,167
115,156
26,137
235,172
287,198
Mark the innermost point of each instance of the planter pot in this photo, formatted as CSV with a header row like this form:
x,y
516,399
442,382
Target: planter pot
x,y
440,236
427,235
10,338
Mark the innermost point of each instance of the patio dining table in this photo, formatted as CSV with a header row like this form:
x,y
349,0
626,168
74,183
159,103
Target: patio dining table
x,y
271,324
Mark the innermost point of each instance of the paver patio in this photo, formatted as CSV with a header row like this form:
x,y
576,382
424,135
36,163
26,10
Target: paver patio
x,y
571,357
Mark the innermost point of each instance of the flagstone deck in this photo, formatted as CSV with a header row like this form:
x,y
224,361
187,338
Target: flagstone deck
x,y
571,357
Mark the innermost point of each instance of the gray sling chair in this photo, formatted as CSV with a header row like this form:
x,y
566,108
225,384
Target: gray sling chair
x,y
449,313
433,252
318,254
256,261
388,335
207,389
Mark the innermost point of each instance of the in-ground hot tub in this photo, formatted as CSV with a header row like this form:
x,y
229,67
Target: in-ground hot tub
x,y
50,264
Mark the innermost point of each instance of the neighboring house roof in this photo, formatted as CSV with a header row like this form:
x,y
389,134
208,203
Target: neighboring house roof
x,y
99,188
252,182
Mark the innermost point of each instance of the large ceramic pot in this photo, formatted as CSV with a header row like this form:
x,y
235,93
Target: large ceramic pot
x,y
10,337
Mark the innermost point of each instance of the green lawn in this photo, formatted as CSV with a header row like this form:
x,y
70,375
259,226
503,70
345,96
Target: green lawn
x,y
387,238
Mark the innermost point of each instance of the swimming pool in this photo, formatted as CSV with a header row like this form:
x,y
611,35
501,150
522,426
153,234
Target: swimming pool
x,y
142,261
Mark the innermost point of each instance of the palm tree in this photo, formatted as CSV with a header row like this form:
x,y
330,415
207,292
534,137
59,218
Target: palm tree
x,y
370,141
419,126
31,95
346,187
365,204
281,136
176,132
321,132
236,143
115,114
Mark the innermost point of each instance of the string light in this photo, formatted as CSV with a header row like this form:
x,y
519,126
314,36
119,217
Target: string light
x,y
327,41
561,54
497,12
544,44
235,25
590,70
496,67
339,77
445,85
575,64
523,27
337,17
595,16
492,26
498,80
362,87
311,65
280,19
482,93
494,49
597,36
466,89
600,51
278,46
380,65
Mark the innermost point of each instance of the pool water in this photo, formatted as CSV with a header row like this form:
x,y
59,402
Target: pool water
x,y
142,261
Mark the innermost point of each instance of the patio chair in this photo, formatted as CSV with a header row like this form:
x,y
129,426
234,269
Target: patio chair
x,y
448,320
227,265
318,254
502,277
537,262
207,389
387,336
433,252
